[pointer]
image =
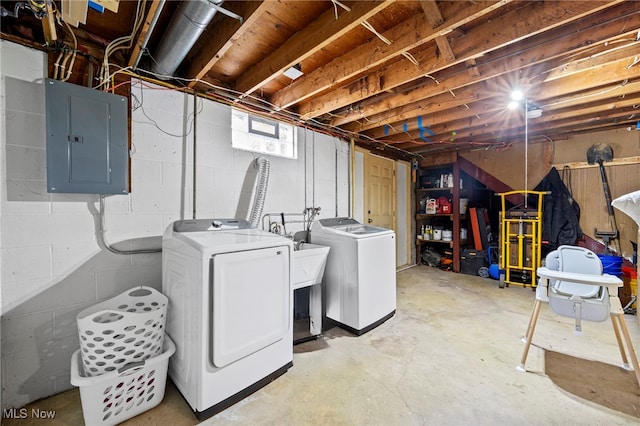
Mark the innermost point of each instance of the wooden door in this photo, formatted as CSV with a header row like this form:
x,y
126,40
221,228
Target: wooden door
x,y
380,192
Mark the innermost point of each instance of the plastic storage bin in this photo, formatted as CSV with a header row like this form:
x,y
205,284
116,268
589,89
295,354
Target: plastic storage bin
x,y
127,328
471,261
114,397
611,265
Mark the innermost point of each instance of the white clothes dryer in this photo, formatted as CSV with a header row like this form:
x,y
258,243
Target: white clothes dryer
x,y
360,275
230,305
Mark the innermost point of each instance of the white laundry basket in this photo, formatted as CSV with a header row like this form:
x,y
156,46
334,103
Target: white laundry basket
x,y
114,397
127,328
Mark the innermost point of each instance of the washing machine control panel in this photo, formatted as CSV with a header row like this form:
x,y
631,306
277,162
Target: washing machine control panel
x,y
201,225
346,226
338,221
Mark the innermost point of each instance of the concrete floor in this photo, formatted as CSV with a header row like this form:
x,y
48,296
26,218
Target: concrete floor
x,y
447,357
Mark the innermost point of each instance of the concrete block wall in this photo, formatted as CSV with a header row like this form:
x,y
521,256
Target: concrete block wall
x,y
51,264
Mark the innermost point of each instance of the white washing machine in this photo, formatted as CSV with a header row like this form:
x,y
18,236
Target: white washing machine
x,y
230,305
360,275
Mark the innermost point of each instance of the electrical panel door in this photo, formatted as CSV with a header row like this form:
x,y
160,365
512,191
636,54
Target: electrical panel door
x,y
87,140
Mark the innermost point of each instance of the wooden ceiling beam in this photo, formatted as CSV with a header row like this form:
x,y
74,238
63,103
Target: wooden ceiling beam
x,y
566,120
443,106
445,49
374,125
629,103
545,90
502,122
500,127
438,113
573,87
565,42
541,16
143,34
619,90
593,78
433,15
305,43
227,32
629,50
571,104
404,37
432,12
472,67
499,139
570,126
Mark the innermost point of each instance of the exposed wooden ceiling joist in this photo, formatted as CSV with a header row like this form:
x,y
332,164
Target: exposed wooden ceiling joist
x,y
404,36
305,43
541,16
563,43
227,33
540,89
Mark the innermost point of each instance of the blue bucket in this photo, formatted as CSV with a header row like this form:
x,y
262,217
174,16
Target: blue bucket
x,y
611,265
494,271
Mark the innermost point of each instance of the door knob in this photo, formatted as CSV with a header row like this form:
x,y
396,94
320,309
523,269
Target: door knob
x,y
370,220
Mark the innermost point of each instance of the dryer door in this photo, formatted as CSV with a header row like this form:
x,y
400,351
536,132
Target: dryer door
x,y
251,302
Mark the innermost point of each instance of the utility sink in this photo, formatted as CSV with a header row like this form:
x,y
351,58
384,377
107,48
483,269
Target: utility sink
x,y
309,261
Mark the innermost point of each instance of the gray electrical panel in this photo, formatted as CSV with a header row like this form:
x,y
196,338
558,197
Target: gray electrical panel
x,y
87,140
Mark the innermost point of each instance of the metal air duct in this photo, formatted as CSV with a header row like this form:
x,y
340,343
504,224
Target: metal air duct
x,y
186,26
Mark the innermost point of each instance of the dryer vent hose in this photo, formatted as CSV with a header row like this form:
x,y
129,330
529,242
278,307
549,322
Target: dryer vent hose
x,y
260,192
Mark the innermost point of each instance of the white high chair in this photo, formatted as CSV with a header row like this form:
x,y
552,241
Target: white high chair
x,y
573,284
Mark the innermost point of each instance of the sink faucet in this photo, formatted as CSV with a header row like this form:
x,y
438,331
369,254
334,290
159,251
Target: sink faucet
x,y
311,213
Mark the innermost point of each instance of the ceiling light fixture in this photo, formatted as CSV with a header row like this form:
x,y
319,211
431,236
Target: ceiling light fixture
x,y
534,112
294,72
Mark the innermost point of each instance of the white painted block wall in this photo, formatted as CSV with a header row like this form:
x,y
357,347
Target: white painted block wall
x,y
51,265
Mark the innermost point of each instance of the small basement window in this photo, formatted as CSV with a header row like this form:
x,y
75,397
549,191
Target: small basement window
x,y
262,135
